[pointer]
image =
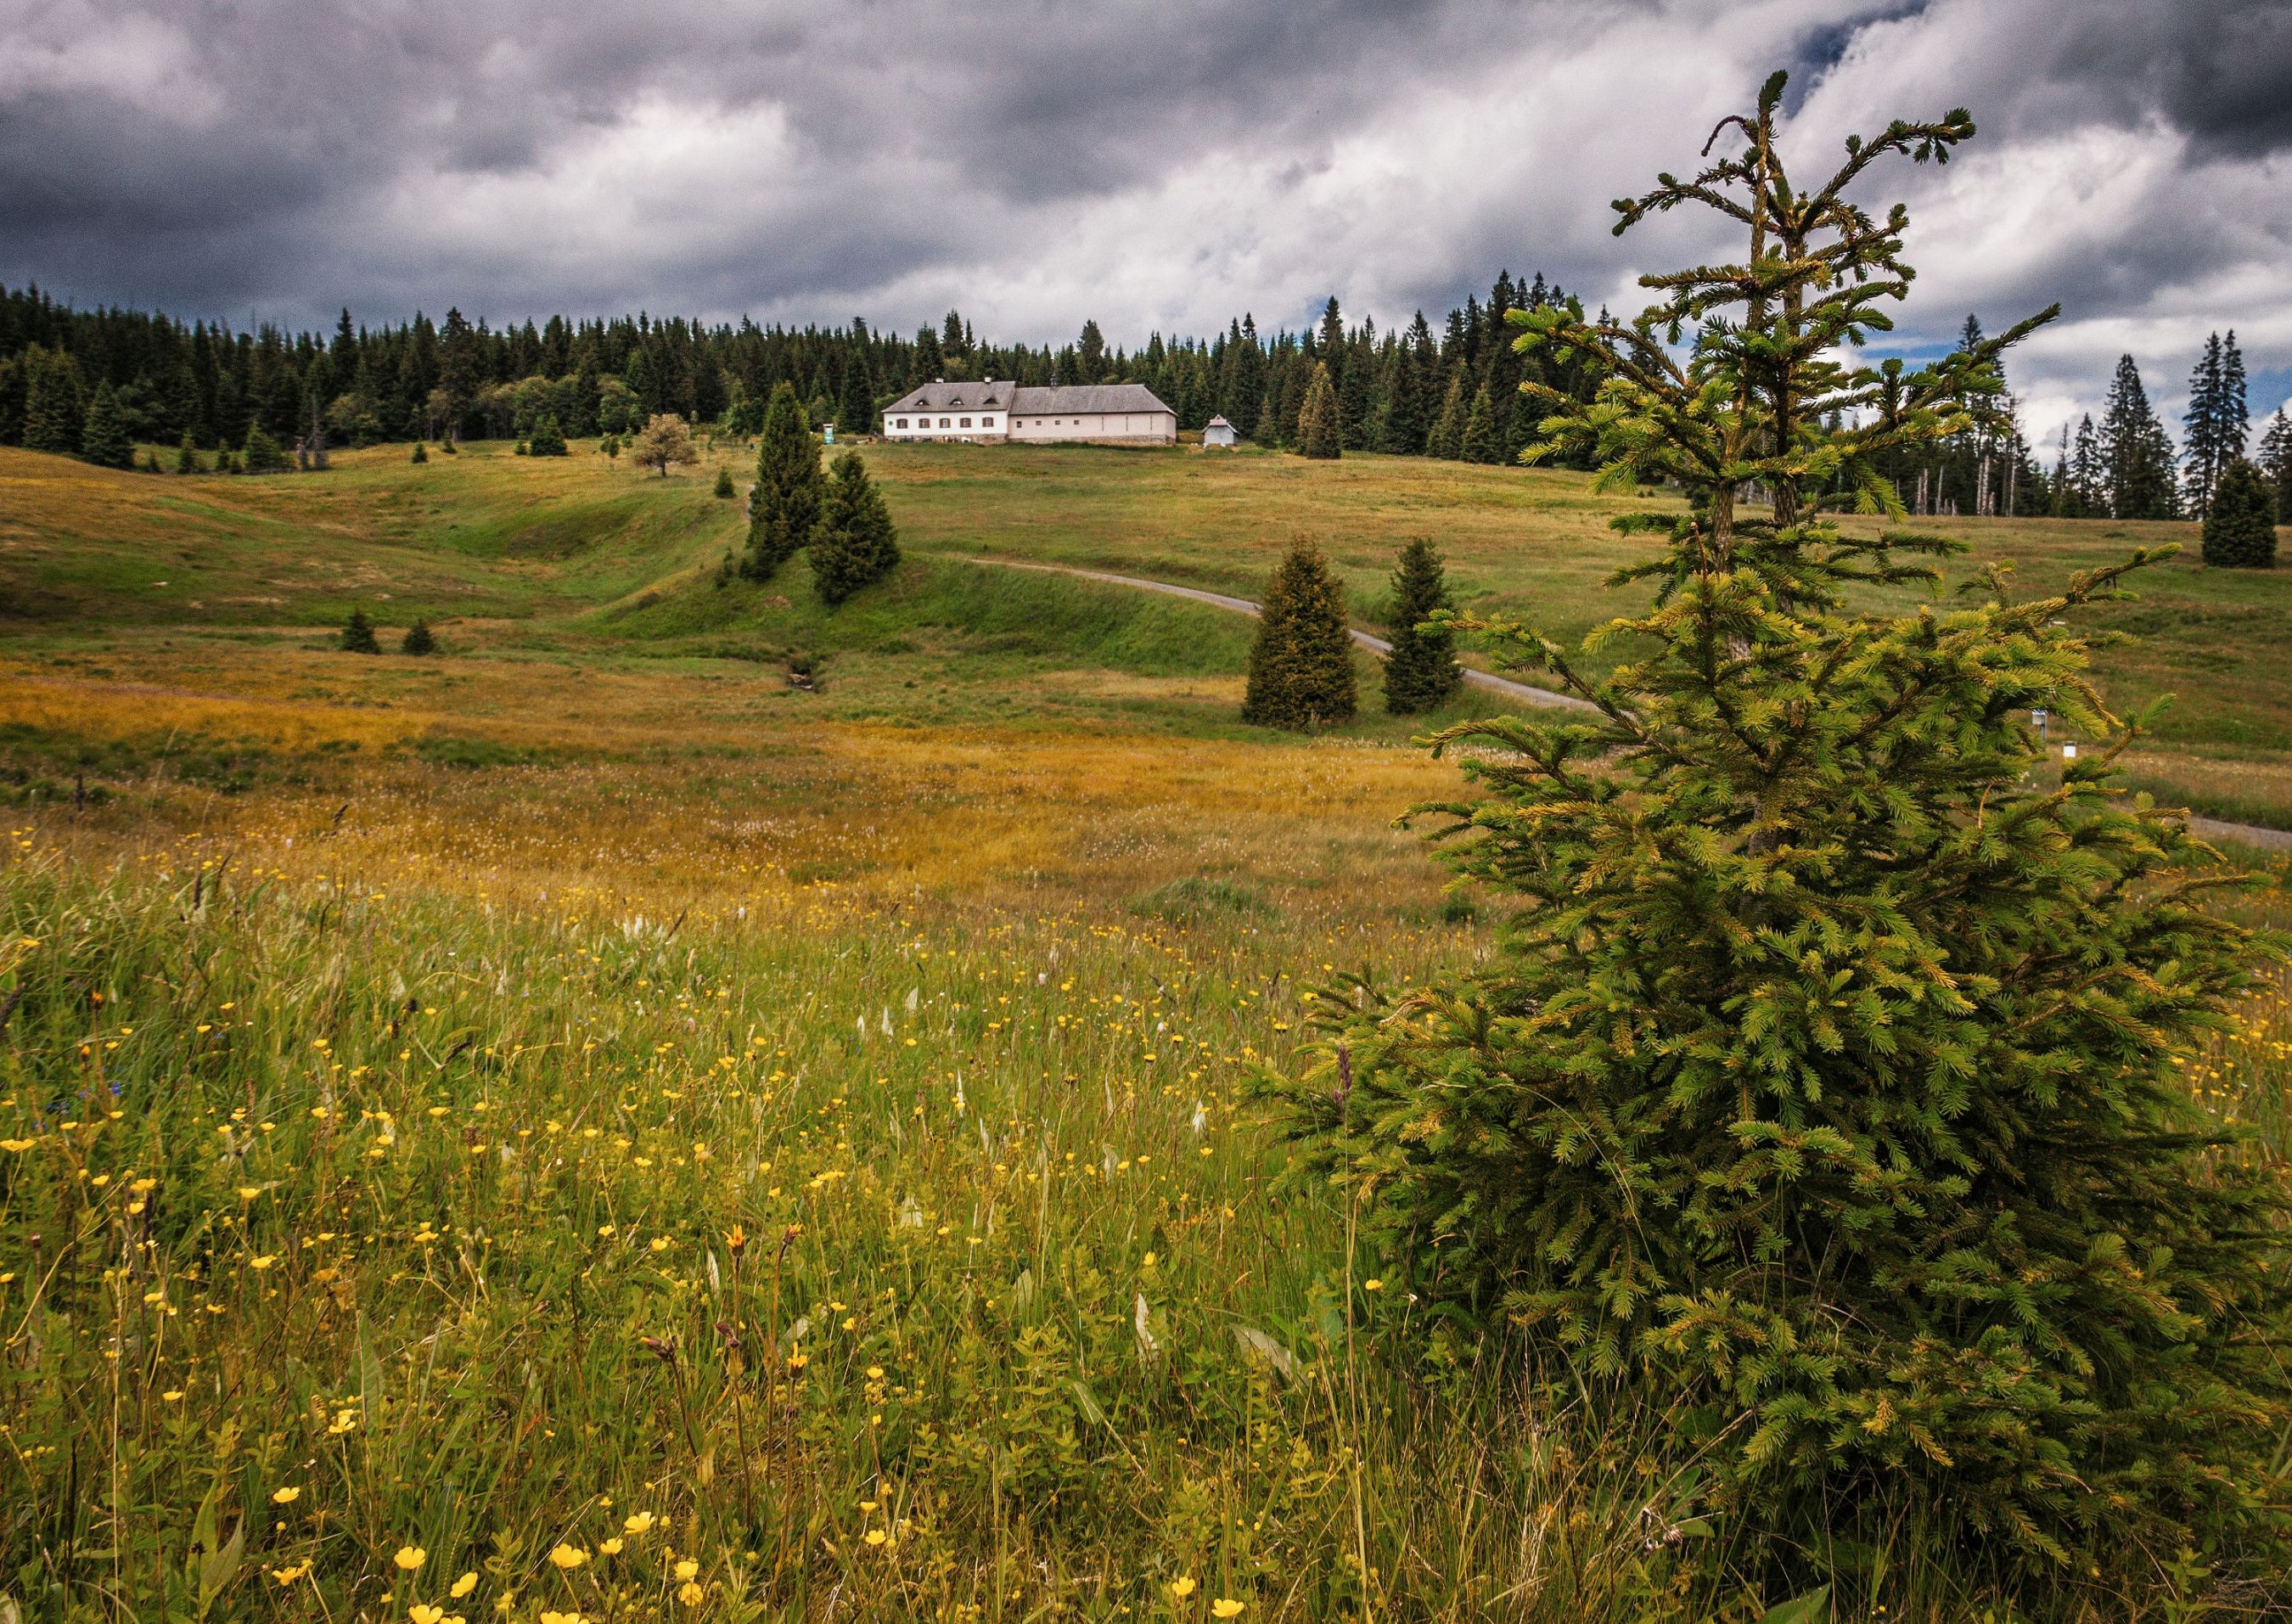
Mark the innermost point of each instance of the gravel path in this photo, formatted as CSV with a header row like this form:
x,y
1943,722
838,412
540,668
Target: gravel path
x,y
2204,828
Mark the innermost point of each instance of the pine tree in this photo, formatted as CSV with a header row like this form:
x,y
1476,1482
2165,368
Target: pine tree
x,y
548,441
261,454
724,483
103,437
854,544
789,485
1819,1090
2240,524
1318,434
421,453
1446,438
2136,452
418,639
187,455
357,635
1479,442
1301,666
53,405
1421,672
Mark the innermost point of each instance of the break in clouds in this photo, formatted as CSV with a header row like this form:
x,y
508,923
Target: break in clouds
x,y
1155,166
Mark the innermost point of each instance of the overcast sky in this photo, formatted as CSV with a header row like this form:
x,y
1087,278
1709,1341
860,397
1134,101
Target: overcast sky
x,y
1156,165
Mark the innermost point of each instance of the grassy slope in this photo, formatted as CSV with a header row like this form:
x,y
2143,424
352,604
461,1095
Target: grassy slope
x,y
503,967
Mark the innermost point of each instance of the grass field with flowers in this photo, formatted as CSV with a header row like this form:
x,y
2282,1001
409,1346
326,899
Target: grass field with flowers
x,y
582,1128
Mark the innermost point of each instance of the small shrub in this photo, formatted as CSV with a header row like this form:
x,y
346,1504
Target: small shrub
x,y
357,635
724,483
418,639
421,453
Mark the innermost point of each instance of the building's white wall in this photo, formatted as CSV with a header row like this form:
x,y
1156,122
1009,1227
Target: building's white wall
x,y
916,422
1150,428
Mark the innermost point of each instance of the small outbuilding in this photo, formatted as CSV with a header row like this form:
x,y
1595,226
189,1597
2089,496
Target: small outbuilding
x,y
1219,432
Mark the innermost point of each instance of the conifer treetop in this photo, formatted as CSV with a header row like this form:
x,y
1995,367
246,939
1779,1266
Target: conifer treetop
x,y
1763,370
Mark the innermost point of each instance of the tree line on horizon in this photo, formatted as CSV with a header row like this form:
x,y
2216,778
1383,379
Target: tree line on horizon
x,y
98,383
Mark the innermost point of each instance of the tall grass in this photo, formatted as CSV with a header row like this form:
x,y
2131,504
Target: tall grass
x,y
876,1262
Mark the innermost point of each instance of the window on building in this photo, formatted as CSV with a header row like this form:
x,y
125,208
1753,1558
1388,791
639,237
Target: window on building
x,y
901,423
987,423
944,423
964,424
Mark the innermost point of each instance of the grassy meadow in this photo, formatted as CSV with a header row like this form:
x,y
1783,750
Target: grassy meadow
x,y
685,1104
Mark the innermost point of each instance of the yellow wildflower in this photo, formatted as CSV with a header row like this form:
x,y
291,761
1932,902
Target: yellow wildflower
x,y
410,1558
568,1557
463,1586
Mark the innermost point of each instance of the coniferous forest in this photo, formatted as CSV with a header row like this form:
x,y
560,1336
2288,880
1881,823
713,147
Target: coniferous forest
x,y
93,382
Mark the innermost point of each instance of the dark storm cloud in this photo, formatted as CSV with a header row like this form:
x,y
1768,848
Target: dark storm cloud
x,y
2220,70
1164,165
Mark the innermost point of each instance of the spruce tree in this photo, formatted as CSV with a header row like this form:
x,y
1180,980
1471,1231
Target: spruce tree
x,y
1818,1095
2240,524
103,437
418,639
421,453
786,504
1318,434
1479,442
854,543
187,455
2136,452
261,454
548,441
357,635
2275,460
1447,437
856,411
53,405
1301,668
2201,444
1421,672
725,484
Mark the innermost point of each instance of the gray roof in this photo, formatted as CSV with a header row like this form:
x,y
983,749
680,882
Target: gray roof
x,y
1087,398
1217,422
956,396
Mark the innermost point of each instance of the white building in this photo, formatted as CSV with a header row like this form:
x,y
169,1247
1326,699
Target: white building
x,y
1218,432
1001,411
